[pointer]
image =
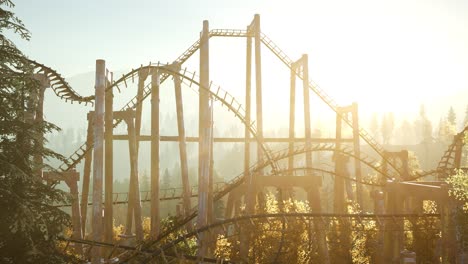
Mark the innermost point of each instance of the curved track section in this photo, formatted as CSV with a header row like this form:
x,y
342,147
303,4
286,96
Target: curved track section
x,y
79,154
326,99
217,94
300,171
276,156
447,162
165,194
58,84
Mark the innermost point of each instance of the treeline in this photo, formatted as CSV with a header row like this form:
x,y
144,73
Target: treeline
x,y
387,130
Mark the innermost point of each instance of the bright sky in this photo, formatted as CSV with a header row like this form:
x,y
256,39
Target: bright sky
x,y
386,55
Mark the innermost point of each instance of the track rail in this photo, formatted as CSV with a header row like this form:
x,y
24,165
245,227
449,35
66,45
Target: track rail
x,y
58,84
276,156
447,162
216,92
166,194
79,154
326,98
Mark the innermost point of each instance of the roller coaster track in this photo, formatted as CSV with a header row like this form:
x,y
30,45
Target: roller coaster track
x,y
275,156
260,219
218,95
79,154
176,193
58,84
447,163
326,98
347,151
165,194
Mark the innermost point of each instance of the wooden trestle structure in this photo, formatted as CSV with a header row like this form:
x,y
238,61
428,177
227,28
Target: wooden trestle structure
x,y
401,195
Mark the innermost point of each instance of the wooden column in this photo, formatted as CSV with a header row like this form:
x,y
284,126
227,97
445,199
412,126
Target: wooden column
x,y
250,199
338,190
307,125
250,195
109,163
72,183
135,125
98,157
458,151
155,221
87,172
131,202
134,182
204,158
393,227
357,151
449,242
258,88
71,178
292,116
142,75
182,144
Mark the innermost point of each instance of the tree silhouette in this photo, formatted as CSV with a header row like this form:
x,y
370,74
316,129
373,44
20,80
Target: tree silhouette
x,y
29,223
388,125
374,125
465,121
424,125
452,117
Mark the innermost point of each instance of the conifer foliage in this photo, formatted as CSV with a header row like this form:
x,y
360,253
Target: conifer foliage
x,y
29,223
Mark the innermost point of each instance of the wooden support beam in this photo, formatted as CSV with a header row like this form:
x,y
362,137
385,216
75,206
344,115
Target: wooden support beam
x,y
357,151
236,139
421,191
182,144
87,172
204,126
134,183
155,218
306,181
109,163
66,176
98,157
76,219
142,75
258,87
292,116
250,197
341,186
71,178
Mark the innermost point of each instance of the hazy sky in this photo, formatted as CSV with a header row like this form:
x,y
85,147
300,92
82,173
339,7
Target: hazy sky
x,y
386,55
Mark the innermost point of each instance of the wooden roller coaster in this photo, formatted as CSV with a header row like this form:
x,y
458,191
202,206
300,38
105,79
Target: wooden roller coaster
x,y
397,184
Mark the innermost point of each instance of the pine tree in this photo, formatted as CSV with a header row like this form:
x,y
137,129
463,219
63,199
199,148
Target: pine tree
x,y
388,125
452,117
465,121
406,133
424,125
145,184
374,125
29,222
166,180
446,131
